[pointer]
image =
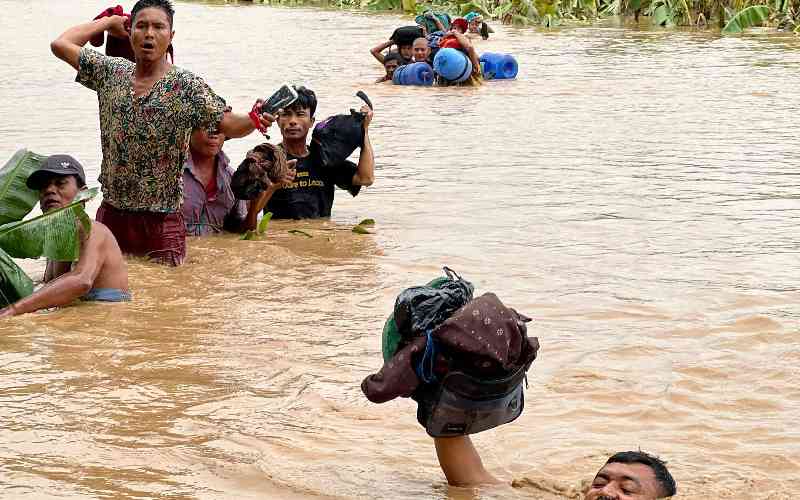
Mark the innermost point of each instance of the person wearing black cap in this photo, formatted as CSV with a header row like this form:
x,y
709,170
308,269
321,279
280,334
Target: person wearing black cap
x,y
100,274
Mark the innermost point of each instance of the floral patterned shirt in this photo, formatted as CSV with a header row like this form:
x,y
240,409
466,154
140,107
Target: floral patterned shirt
x,y
145,139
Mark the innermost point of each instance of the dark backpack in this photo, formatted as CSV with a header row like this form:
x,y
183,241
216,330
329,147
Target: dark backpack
x,y
335,138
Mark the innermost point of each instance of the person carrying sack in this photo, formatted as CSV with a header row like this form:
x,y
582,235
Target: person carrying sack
x,y
463,360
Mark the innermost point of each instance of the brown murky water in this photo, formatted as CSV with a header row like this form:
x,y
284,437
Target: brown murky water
x,y
634,191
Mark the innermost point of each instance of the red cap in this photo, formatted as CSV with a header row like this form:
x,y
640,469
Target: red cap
x,y
460,23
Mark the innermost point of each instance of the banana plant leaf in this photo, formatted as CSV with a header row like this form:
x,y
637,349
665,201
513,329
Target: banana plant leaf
x,y
55,234
16,200
754,15
14,283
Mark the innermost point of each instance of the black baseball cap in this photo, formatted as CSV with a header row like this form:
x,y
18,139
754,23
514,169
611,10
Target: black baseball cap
x,y
59,165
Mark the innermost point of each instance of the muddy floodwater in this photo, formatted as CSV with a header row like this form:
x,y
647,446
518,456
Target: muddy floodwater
x,y
635,191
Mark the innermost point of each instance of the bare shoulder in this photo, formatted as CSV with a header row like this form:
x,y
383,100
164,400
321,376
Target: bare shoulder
x,y
101,233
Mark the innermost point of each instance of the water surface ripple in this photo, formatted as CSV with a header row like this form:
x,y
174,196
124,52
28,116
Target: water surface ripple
x,y
635,191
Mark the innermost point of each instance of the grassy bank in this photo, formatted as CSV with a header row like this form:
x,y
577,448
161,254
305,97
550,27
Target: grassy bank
x,y
731,16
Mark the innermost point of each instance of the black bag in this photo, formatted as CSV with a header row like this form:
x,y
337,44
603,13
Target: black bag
x,y
461,404
420,309
406,35
335,138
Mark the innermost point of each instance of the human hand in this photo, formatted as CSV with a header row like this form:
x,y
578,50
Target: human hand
x,y
7,312
367,111
288,178
117,26
463,39
261,121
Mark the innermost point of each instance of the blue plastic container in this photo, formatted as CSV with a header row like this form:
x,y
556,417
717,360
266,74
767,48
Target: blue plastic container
x,y
498,66
452,64
418,73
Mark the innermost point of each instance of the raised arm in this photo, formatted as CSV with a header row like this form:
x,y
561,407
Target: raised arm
x,y
377,51
235,125
67,47
69,286
365,175
460,462
466,44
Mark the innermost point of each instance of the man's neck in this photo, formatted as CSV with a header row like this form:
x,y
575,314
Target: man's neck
x,y
202,163
295,147
150,69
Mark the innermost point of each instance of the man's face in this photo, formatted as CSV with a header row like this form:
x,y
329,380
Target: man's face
x,y
206,143
407,51
295,123
151,34
421,50
390,67
617,481
57,191
475,25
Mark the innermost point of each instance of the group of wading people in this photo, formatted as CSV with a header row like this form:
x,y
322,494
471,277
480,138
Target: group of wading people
x,y
164,175
402,49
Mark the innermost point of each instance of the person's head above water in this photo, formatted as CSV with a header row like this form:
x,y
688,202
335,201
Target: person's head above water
x,y
406,52
459,24
421,49
58,181
151,29
632,475
296,120
391,62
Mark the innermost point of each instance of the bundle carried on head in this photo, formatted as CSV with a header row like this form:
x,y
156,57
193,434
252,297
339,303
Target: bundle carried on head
x,y
463,360
262,166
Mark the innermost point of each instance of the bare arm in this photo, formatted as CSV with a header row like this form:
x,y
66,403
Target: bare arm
x,y
460,462
365,175
67,47
377,51
69,286
237,125
257,205
466,44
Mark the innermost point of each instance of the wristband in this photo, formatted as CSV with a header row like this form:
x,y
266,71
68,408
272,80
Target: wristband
x,y
254,117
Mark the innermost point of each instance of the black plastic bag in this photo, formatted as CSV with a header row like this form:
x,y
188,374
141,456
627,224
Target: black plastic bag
x,y
420,309
335,138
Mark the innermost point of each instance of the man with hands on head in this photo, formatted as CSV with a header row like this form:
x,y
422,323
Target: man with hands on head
x,y
148,110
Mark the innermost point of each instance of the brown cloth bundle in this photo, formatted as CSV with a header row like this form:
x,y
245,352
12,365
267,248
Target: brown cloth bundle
x,y
263,165
484,339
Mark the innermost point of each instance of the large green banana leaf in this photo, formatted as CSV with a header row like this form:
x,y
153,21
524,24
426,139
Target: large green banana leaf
x,y
14,283
54,234
754,15
16,200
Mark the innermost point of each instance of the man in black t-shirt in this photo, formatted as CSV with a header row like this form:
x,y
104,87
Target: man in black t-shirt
x,y
310,193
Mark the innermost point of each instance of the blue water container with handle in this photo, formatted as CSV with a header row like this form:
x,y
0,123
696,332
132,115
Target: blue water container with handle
x,y
418,73
452,64
498,66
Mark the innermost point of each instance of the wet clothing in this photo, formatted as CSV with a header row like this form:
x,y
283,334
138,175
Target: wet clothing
x,y
145,140
107,295
311,194
157,235
484,339
210,209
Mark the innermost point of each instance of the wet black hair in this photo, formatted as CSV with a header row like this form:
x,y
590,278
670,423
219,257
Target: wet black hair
x,y
393,56
665,480
306,99
164,5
